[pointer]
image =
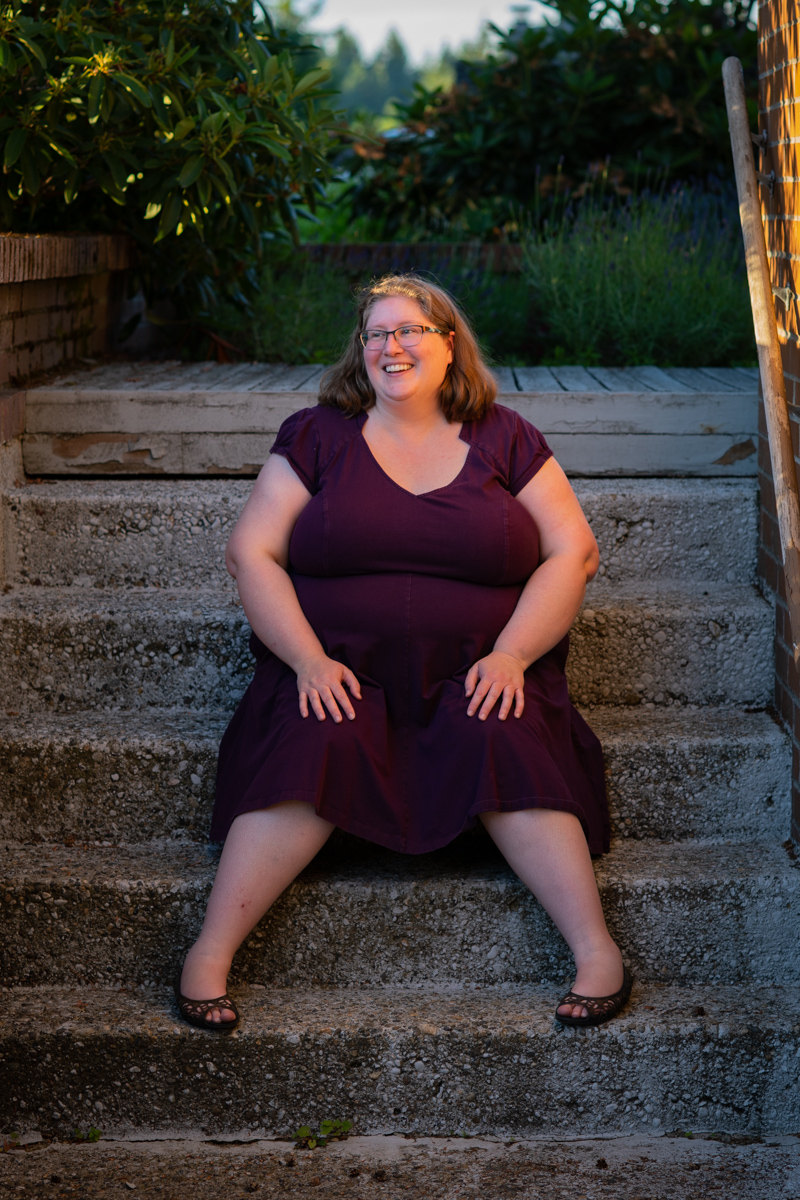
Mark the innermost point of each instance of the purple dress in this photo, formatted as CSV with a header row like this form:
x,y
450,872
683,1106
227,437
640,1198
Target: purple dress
x,y
409,591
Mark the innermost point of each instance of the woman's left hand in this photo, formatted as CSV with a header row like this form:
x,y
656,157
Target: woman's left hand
x,y
498,674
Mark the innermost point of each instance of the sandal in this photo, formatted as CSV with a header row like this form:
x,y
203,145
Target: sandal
x,y
599,1010
194,1011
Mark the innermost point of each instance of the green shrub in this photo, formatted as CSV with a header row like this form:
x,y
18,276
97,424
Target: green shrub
x,y
183,124
660,279
634,82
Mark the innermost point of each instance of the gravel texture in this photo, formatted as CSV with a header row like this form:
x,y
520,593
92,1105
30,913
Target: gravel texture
x,y
673,774
173,534
481,1061
72,649
623,1168
359,915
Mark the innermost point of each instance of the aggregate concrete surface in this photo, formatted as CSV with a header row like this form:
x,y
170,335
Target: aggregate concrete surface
x,y
625,1168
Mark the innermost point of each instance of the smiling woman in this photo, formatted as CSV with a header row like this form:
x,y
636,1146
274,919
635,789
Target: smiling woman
x,y
410,560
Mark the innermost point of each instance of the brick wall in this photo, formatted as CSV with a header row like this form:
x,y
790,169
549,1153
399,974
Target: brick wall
x,y
59,298
779,115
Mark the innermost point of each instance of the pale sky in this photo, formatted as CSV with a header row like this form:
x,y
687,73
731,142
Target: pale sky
x,y
425,26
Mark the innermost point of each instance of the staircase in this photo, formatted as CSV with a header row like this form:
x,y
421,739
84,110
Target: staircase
x,y
411,994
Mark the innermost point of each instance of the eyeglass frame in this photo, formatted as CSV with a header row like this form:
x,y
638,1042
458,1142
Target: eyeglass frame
x,y
393,333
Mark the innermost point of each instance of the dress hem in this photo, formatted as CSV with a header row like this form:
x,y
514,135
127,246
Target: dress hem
x,y
368,833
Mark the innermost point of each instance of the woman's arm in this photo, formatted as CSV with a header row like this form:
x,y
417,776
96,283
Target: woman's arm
x,y
550,600
257,556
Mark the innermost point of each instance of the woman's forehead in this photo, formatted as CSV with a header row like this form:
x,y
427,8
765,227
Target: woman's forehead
x,y
395,308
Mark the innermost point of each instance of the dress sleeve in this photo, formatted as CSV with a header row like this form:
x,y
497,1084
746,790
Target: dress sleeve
x,y
529,452
298,441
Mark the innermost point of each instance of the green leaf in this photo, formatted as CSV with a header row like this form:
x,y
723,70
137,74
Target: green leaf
x,y
170,54
35,50
30,172
183,127
268,71
71,187
170,215
135,88
96,89
310,80
191,170
63,153
14,145
151,211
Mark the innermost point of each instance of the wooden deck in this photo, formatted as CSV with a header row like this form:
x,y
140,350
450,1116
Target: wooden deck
x,y
202,419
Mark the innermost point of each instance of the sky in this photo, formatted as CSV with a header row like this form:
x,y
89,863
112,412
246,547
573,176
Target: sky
x,y
425,26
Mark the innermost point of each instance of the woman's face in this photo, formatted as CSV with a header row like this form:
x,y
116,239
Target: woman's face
x,y
406,373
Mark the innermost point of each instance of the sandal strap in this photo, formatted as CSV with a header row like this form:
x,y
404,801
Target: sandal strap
x,y
199,1008
597,1005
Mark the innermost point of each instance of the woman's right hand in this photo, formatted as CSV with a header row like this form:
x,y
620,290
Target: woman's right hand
x,y
321,683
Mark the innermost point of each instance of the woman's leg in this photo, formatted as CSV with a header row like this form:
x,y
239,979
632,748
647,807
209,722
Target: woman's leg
x,y
263,853
548,851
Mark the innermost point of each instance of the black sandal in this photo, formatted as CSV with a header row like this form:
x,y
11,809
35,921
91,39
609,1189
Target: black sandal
x,y
599,1010
194,1011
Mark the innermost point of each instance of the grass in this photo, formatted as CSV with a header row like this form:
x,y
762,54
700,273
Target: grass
x,y
657,278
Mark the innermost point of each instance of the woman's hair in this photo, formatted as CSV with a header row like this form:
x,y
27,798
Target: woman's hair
x,y
469,388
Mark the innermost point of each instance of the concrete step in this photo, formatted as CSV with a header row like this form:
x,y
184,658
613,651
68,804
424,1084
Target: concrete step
x,y
208,419
672,774
605,1167
173,534
696,1058
69,649
360,915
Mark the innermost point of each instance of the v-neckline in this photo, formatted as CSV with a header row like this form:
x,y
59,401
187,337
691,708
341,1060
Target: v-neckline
x,y
363,417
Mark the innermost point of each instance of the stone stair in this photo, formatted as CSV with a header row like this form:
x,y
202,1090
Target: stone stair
x,y
403,993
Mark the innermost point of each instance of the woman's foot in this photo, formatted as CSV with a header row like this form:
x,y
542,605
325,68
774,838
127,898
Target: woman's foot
x,y
600,974
204,978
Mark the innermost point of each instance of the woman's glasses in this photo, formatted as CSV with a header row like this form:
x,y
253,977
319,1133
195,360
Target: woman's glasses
x,y
405,335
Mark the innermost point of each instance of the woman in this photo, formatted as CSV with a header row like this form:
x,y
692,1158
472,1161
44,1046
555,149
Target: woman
x,y
410,560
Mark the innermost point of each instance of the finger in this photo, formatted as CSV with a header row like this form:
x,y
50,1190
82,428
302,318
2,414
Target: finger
x,y
303,704
344,700
471,680
478,695
355,687
316,704
492,697
508,700
520,702
330,703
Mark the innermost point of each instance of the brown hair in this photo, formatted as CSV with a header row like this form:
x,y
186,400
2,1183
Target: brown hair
x,y
469,388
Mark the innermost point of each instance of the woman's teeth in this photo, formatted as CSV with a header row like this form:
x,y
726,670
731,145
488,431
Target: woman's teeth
x,y
395,368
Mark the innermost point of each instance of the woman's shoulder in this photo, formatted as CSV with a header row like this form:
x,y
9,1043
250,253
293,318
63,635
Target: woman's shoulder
x,y
500,427
320,422
516,446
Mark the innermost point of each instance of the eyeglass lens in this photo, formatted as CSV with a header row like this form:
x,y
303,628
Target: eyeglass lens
x,y
406,335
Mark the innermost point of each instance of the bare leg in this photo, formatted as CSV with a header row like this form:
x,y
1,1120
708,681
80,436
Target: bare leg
x,y
548,851
263,853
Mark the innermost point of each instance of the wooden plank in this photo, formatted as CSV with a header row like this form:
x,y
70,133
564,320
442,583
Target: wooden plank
x,y
506,383
714,455
575,379
728,376
237,377
616,379
640,413
85,412
312,383
285,378
698,381
653,379
751,373
536,379
222,454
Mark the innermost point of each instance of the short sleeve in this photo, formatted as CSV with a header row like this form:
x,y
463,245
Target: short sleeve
x,y
298,441
529,453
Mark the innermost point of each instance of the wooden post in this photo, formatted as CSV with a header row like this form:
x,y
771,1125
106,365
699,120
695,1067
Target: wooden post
x,y
784,472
